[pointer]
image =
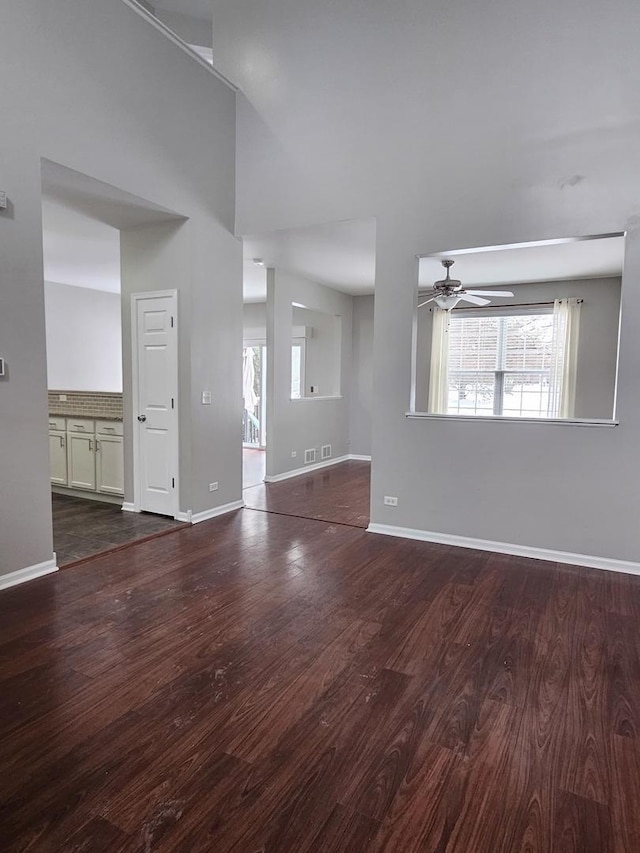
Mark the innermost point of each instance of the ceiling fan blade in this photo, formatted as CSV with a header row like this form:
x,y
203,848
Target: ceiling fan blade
x,y
490,292
474,300
420,304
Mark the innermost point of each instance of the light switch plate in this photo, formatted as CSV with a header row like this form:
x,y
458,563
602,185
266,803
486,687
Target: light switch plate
x,y
3,200
1,366
206,398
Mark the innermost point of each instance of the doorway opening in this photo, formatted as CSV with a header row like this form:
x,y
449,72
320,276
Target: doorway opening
x,y
254,412
93,467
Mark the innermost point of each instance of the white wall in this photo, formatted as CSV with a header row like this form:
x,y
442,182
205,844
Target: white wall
x,y
84,338
254,317
597,344
362,376
190,29
158,125
298,425
488,125
322,351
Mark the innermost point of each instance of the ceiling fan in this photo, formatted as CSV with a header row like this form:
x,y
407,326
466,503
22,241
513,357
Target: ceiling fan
x,y
449,291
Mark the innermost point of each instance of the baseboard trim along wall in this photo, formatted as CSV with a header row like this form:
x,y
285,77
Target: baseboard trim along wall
x,y
358,458
127,506
308,469
29,573
605,563
197,517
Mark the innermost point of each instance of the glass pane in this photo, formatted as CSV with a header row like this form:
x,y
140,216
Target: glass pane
x,y
473,343
528,342
296,371
471,393
526,395
251,395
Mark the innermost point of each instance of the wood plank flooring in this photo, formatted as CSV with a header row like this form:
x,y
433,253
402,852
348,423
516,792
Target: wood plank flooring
x,y
267,683
84,528
339,494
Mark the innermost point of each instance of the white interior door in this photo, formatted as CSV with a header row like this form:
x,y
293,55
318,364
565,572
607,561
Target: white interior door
x,y
156,397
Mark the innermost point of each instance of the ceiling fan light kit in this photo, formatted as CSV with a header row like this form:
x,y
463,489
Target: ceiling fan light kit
x,y
449,291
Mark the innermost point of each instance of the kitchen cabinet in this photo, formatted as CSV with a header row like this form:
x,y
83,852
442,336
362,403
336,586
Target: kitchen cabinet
x,y
81,461
58,457
87,454
109,463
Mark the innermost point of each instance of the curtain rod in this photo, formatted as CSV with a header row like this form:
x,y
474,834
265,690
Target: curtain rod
x,y
510,305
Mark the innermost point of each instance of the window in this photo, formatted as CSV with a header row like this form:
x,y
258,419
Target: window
x,y
497,363
297,369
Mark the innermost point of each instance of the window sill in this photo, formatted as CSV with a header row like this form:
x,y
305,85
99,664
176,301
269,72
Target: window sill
x,y
580,422
308,399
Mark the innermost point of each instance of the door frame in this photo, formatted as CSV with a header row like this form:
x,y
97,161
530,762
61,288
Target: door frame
x,y
136,298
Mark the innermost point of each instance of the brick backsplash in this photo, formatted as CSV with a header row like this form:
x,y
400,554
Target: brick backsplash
x,y
87,403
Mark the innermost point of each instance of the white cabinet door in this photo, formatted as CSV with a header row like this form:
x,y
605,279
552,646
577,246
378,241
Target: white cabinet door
x,y
82,461
58,457
110,464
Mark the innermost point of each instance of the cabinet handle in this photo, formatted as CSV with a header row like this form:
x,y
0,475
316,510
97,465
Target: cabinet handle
x,y
61,441
90,445
97,445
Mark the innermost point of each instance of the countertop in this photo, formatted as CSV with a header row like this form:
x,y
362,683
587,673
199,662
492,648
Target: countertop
x,y
91,416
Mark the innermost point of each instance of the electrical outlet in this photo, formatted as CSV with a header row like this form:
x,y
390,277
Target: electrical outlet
x,y
325,451
310,456
206,398
213,487
390,500
294,453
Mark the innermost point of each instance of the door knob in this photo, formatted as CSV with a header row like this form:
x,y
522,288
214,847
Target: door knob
x,y
142,418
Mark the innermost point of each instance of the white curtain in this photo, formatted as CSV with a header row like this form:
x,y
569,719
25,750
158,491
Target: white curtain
x,y
439,374
564,358
248,378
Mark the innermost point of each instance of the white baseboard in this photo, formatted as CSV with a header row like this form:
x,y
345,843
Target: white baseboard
x,y
29,573
183,516
308,469
127,506
197,517
358,458
606,563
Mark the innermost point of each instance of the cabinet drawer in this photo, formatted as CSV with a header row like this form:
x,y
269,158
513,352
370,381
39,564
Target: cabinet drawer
x,y
109,427
86,425
57,423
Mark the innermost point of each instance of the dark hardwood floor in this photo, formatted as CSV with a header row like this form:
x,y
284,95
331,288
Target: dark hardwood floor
x,y
339,494
83,528
261,682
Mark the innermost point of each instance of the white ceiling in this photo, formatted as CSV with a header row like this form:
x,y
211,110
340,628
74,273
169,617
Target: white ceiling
x,y
78,250
520,264
339,254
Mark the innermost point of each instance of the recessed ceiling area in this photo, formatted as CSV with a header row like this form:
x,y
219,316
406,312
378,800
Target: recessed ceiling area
x,y
553,261
341,255
78,250
81,222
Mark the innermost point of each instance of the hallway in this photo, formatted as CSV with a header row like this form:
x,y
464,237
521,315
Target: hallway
x,y
337,494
